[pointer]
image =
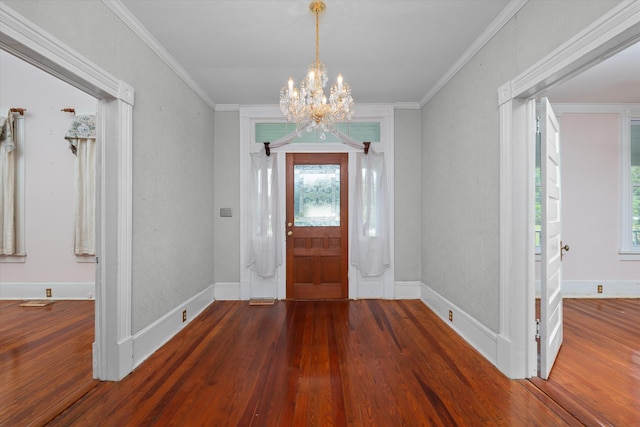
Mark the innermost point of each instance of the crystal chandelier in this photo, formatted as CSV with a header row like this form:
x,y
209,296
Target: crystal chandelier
x,y
307,106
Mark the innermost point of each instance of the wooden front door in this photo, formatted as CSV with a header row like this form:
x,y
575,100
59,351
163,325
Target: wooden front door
x,y
317,226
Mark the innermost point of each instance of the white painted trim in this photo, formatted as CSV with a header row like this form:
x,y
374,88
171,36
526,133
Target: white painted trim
x,y
37,290
608,35
565,108
143,34
157,334
628,256
407,105
505,16
227,107
227,291
250,284
407,290
617,29
475,333
589,288
18,259
112,350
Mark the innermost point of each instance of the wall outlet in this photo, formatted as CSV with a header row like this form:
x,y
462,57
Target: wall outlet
x,y
451,315
48,292
184,315
599,289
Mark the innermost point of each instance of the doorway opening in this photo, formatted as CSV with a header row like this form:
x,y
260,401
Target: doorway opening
x,y
113,348
613,33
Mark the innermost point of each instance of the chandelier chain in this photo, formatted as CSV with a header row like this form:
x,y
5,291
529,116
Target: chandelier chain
x,y
308,106
317,12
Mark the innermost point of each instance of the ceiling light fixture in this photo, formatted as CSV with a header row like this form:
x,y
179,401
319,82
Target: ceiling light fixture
x,y
307,106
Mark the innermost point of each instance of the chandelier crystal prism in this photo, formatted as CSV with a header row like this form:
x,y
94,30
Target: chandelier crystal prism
x,y
307,106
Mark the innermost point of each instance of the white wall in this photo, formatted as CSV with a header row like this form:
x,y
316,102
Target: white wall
x,y
48,182
460,197
590,158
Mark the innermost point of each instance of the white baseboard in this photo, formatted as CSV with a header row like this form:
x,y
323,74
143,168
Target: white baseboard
x,y
476,334
589,289
227,291
38,290
407,290
154,336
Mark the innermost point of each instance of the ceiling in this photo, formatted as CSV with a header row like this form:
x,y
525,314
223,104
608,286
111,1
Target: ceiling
x,y
244,51
390,51
615,80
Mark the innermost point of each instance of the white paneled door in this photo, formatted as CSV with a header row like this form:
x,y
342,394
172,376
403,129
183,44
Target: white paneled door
x,y
551,245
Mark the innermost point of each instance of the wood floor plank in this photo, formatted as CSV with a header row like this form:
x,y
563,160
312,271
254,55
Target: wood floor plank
x,y
45,359
597,373
345,363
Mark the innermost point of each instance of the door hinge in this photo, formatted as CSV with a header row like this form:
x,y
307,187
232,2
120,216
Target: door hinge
x,y
537,125
537,329
97,260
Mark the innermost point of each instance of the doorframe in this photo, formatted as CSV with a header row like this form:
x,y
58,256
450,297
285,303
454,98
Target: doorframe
x,y
616,30
253,286
113,346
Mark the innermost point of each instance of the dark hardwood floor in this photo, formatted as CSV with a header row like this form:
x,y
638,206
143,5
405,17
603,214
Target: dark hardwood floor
x,y
597,373
45,359
359,363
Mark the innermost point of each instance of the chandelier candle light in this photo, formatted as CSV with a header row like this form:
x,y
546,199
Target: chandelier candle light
x,y
308,106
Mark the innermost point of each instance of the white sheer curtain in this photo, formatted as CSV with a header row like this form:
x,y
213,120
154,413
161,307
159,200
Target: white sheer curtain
x,y
265,238
370,240
7,186
82,140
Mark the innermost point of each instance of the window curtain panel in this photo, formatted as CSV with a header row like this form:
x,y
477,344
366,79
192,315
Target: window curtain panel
x,y
265,237
370,240
82,142
7,186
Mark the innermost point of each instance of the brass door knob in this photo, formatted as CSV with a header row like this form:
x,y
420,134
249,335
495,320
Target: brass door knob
x,y
563,249
289,233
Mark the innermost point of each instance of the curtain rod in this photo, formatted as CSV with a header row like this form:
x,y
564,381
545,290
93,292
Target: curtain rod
x,y
69,110
18,110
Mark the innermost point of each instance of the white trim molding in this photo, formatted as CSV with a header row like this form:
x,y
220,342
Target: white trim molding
x,y
475,333
589,289
157,334
505,16
227,291
408,290
143,34
112,348
251,285
38,290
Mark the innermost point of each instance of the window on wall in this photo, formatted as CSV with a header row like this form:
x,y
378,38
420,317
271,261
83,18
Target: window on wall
x,y
360,131
630,189
634,184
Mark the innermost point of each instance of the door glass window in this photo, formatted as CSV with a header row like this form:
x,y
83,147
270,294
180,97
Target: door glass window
x,y
316,192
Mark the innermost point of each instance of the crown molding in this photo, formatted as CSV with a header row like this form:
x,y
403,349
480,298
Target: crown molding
x,y
505,16
406,105
587,108
608,35
136,26
227,107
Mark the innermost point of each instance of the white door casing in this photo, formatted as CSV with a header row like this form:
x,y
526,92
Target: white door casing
x,y
551,271
113,346
253,286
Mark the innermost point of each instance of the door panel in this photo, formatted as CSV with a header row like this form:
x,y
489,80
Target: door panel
x,y
317,226
551,295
